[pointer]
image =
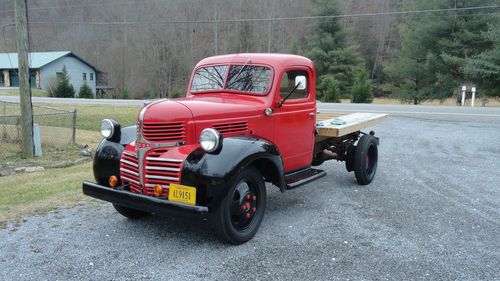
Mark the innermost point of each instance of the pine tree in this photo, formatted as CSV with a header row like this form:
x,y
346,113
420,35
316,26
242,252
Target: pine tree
x,y
63,89
333,57
361,91
85,92
435,49
484,69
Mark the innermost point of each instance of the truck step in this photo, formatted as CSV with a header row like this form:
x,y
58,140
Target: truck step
x,y
302,177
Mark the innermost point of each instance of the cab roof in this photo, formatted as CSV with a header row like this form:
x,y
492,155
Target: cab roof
x,y
281,60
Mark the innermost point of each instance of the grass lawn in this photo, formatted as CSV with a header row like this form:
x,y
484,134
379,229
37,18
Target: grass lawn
x,y
15,92
89,117
25,194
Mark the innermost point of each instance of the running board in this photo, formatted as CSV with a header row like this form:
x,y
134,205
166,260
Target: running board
x,y
302,177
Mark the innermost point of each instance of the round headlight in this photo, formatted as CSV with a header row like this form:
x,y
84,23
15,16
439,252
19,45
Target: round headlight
x,y
209,139
107,128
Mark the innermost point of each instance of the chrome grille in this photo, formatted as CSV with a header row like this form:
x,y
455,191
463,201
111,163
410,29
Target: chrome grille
x,y
129,171
163,171
164,132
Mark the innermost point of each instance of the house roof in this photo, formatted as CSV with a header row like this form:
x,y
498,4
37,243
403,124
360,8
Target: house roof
x,y
37,59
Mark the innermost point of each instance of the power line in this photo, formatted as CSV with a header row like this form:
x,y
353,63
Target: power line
x,y
275,18
283,18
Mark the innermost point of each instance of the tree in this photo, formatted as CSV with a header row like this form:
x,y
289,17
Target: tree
x,y
435,50
125,94
85,92
63,89
484,69
328,47
328,89
361,91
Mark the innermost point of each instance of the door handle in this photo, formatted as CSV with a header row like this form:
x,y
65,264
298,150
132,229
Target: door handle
x,y
311,114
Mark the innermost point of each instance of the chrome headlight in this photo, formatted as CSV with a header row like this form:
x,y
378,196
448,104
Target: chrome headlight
x,y
110,129
210,140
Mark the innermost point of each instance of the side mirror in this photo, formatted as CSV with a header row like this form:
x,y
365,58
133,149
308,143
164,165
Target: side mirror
x,y
301,82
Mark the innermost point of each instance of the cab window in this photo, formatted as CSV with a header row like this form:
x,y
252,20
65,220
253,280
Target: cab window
x,y
288,83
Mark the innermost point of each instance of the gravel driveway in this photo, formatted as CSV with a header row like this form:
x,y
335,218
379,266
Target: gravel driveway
x,y
432,213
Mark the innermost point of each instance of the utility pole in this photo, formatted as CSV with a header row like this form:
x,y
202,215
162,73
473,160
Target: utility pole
x,y
24,84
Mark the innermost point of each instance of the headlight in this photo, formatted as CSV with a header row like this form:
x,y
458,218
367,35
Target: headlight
x,y
110,129
210,140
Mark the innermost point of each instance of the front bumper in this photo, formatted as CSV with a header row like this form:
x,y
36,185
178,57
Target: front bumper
x,y
140,202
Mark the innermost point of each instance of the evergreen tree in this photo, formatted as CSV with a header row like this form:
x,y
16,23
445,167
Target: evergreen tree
x,y
435,48
328,89
334,58
361,91
484,69
85,92
63,89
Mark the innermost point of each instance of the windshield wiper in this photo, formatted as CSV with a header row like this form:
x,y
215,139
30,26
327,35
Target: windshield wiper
x,y
289,94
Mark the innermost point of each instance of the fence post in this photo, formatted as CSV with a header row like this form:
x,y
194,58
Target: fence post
x,y
73,138
4,113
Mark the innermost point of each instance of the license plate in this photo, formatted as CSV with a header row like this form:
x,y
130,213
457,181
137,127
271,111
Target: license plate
x,y
182,194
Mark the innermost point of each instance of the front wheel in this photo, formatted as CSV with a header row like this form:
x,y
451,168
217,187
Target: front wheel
x,y
365,159
239,214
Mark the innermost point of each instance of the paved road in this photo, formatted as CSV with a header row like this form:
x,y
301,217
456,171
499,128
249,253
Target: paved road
x,y
434,112
432,213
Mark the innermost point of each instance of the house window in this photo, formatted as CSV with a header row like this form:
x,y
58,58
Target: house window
x,y
84,76
59,75
91,76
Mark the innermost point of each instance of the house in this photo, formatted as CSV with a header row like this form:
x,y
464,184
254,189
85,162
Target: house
x,y
44,68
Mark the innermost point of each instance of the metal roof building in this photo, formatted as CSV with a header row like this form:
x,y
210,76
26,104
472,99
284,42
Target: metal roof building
x,y
44,68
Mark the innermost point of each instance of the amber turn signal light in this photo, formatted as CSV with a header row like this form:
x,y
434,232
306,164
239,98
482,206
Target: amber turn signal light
x,y
157,190
113,181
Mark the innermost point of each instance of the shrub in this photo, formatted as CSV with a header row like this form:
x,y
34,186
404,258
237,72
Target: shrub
x,y
125,94
85,92
62,88
175,93
361,90
328,89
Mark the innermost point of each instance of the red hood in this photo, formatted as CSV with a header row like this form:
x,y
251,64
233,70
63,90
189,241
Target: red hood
x,y
205,107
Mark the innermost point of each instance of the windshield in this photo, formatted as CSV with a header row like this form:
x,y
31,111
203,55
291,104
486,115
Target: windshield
x,y
245,78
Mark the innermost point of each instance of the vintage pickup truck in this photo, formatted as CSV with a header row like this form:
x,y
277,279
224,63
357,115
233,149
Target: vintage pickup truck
x,y
246,120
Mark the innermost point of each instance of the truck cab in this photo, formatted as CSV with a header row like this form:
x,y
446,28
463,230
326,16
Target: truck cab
x,y
247,119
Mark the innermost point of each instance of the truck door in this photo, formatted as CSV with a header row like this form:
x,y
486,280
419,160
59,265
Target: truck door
x,y
295,119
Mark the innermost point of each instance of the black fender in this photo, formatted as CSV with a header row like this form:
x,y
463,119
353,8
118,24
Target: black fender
x,y
108,154
212,173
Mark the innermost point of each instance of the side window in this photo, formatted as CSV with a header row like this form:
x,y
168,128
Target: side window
x,y
288,83
91,76
84,76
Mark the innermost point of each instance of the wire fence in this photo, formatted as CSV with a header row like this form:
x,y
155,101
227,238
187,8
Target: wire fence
x,y
57,127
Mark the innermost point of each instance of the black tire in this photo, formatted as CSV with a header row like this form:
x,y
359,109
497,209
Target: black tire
x,y
349,158
316,162
365,159
130,213
230,217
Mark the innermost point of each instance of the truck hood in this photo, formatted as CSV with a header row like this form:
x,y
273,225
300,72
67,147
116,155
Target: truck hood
x,y
204,108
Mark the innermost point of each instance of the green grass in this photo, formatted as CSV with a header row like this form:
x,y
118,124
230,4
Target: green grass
x,y
25,194
89,117
15,92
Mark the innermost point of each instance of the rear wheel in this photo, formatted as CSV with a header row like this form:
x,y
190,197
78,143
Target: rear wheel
x,y
365,159
130,213
239,214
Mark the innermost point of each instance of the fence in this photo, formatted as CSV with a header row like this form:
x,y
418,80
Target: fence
x,y
57,127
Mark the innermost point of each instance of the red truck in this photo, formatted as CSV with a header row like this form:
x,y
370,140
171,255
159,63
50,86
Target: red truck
x,y
246,120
